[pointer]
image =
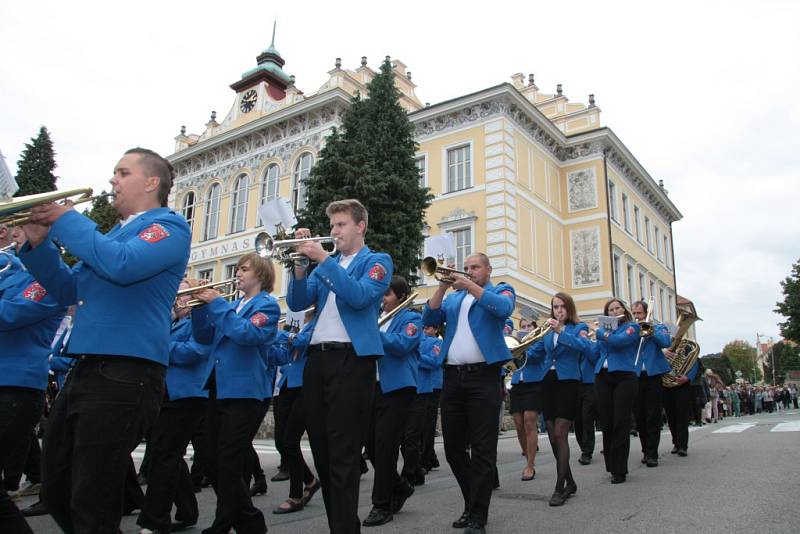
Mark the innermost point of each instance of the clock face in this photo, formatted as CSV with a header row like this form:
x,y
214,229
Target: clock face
x,y
248,101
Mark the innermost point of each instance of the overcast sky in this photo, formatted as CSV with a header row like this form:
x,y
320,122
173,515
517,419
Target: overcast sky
x,y
705,94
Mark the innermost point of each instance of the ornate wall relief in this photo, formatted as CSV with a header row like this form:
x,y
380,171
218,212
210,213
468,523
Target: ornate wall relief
x,y
585,245
582,189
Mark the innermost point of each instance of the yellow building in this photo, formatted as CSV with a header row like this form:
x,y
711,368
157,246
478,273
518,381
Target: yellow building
x,y
557,201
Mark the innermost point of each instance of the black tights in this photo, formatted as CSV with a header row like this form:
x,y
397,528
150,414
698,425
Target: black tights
x,y
558,432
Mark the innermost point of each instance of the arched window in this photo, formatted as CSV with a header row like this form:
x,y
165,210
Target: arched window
x,y
211,223
299,187
269,186
188,209
239,204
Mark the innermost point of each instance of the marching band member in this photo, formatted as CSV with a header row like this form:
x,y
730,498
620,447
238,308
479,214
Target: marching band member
x,y
184,404
429,384
29,318
395,390
677,403
240,333
615,382
647,407
561,349
291,396
586,416
526,405
474,350
124,287
340,372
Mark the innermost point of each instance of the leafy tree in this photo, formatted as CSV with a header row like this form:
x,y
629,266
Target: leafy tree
x,y
103,213
786,357
721,365
371,158
790,307
36,165
742,357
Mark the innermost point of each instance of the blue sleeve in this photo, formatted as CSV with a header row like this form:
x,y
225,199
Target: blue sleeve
x,y
20,311
202,329
61,364
537,350
404,341
246,331
430,356
594,353
661,336
188,352
301,293
123,262
279,353
357,293
301,340
624,337
45,264
499,301
577,340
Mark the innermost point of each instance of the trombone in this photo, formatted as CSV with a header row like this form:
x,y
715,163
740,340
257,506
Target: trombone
x,y
403,305
17,211
430,266
282,249
193,303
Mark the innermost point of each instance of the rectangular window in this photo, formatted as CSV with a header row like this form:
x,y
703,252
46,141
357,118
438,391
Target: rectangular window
x,y
671,310
647,231
661,304
631,284
642,292
653,294
637,219
667,252
463,242
626,213
658,244
205,274
230,272
612,201
459,168
617,276
422,167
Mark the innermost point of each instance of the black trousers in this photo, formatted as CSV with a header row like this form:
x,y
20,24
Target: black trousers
x,y
616,392
586,419
11,519
428,454
20,410
252,469
678,403
471,399
230,426
411,447
337,386
647,411
385,435
33,463
281,407
96,421
168,479
293,428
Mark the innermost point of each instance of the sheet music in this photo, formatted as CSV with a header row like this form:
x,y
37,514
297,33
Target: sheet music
x,y
609,323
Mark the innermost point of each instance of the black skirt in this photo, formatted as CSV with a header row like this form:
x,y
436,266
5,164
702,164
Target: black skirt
x,y
526,397
560,398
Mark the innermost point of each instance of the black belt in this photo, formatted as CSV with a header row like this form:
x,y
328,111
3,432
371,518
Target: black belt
x,y
326,346
468,367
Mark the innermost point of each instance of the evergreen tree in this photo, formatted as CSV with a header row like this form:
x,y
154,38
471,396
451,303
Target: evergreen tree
x,y
371,158
36,165
790,307
103,213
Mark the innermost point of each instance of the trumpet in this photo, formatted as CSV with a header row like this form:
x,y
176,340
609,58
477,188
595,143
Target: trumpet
x,y
281,249
7,252
433,267
17,211
193,303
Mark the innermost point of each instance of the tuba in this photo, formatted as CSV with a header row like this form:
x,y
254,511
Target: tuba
x,y
686,350
519,358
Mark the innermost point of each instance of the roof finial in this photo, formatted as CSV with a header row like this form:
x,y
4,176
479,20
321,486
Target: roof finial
x,y
591,100
274,24
559,90
530,79
183,130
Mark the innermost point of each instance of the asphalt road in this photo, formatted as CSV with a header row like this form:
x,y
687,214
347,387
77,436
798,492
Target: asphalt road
x,y
741,475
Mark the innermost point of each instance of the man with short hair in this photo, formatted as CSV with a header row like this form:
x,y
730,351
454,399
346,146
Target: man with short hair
x,y
474,351
347,289
124,287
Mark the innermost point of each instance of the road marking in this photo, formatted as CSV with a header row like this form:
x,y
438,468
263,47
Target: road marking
x,y
734,429
793,426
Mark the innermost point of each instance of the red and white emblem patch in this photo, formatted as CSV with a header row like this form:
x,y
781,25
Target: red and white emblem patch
x,y
377,272
411,329
154,233
507,293
437,349
584,333
34,292
630,330
259,319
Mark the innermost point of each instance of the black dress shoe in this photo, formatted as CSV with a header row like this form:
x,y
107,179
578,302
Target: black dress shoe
x,y
570,489
462,522
652,462
435,463
474,528
259,486
280,476
617,479
37,508
644,459
585,459
402,492
674,450
558,498
377,516
682,452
